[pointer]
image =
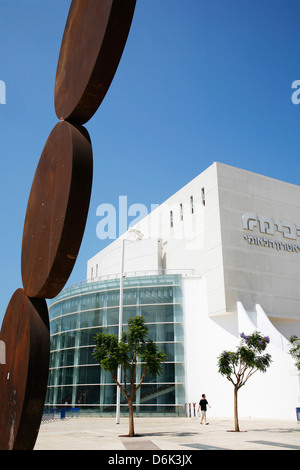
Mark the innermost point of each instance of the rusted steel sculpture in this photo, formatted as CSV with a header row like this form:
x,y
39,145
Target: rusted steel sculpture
x,y
57,210
92,46
23,379
95,35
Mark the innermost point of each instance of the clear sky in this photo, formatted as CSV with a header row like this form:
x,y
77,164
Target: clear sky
x,y
199,81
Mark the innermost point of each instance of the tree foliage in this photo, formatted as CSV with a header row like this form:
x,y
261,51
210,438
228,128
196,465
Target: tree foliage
x,y
133,348
295,350
238,366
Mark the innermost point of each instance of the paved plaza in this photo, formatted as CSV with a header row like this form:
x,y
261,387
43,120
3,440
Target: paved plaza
x,y
167,434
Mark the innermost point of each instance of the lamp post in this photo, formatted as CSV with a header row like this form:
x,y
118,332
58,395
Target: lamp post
x,y
137,236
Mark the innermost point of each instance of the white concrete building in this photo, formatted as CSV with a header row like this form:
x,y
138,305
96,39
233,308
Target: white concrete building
x,y
235,238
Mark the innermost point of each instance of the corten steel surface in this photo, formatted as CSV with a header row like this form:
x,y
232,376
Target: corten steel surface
x,y
95,35
57,210
94,38
23,379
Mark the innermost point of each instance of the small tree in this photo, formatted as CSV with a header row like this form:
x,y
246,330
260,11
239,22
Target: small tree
x,y
295,350
131,349
239,366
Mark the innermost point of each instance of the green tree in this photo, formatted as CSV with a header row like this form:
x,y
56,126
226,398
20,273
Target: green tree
x,y
295,350
240,365
131,349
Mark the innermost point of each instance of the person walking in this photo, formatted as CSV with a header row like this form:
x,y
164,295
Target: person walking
x,y
203,403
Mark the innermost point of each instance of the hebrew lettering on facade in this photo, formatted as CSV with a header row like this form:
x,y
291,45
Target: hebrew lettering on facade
x,y
266,225
278,225
270,226
289,230
249,220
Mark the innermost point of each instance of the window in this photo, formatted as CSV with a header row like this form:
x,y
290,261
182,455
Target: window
x,y
203,196
171,218
181,212
192,204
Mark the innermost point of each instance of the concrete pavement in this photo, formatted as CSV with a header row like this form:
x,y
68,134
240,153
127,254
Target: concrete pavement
x,y
169,434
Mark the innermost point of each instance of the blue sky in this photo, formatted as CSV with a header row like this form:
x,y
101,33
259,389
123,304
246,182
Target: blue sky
x,y
199,81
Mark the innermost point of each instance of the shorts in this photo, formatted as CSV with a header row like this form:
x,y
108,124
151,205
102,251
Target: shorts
x,y
203,413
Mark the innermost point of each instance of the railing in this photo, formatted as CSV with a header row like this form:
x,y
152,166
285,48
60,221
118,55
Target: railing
x,y
146,272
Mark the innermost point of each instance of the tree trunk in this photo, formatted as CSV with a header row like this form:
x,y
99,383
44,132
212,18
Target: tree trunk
x,y
236,418
131,422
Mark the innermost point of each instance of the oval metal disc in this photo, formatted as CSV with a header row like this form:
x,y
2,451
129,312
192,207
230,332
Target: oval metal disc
x,y
57,210
24,376
94,38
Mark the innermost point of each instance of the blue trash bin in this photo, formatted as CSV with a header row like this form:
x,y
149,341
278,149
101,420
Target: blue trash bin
x,y
62,414
298,414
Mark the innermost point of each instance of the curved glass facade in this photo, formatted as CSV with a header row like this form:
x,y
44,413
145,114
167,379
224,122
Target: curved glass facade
x,y
82,311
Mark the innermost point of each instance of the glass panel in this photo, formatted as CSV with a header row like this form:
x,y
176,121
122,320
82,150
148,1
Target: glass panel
x,y
87,336
88,394
112,316
86,356
63,395
89,375
80,312
130,296
167,375
161,332
156,313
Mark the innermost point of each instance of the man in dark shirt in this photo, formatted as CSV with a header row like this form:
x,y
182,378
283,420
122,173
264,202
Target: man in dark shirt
x,y
203,403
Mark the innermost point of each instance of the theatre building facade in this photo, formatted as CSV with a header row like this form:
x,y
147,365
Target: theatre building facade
x,y
219,258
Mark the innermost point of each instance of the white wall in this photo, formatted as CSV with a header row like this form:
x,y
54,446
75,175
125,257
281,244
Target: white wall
x,y
140,256
194,242
205,340
274,394
268,275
